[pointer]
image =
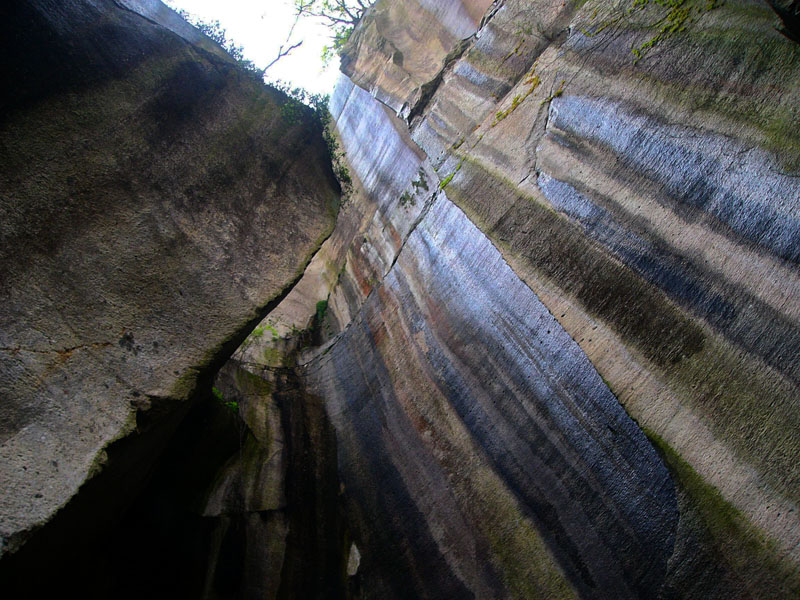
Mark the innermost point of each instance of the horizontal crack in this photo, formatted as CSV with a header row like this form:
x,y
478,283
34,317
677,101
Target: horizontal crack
x,y
61,352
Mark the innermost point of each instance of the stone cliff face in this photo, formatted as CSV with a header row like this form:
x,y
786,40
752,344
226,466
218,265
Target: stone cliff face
x,y
460,403
550,349
561,358
155,202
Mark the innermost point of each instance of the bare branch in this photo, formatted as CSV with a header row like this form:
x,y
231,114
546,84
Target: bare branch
x,y
282,53
285,48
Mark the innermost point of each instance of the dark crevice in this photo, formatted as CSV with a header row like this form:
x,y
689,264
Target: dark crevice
x,y
427,90
789,13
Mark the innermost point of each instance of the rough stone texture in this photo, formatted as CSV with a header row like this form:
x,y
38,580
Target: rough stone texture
x,y
244,502
370,229
651,206
555,330
417,37
422,433
155,201
445,488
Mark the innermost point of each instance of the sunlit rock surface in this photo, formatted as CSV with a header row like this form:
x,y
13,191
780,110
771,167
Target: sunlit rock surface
x,y
413,385
650,204
400,47
629,236
550,349
461,404
154,200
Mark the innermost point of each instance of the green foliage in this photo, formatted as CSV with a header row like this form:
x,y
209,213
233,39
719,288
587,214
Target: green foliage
x,y
340,16
299,100
322,308
449,178
336,155
533,81
679,14
230,404
258,333
516,50
421,182
294,109
555,94
524,30
217,33
339,38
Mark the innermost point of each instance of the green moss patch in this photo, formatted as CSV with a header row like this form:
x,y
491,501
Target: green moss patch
x,y
532,81
744,549
665,19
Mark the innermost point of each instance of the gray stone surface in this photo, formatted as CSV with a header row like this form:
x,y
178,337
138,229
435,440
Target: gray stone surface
x,y
154,200
650,204
555,329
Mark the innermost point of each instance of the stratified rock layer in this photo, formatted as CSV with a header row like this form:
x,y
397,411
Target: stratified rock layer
x,y
649,200
643,185
155,200
471,430
554,331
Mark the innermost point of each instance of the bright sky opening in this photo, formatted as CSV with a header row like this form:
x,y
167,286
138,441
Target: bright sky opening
x,y
260,27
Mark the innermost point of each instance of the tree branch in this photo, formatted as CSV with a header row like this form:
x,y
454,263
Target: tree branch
x,y
285,48
282,53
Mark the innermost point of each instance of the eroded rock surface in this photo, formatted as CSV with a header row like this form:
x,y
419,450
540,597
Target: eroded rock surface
x,y
642,186
155,201
550,348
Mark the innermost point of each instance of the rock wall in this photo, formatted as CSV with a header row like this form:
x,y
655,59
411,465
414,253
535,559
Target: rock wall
x,y
549,349
423,433
243,503
561,357
155,202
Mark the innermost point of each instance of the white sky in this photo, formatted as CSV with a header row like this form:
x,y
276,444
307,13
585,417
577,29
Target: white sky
x,y
260,27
